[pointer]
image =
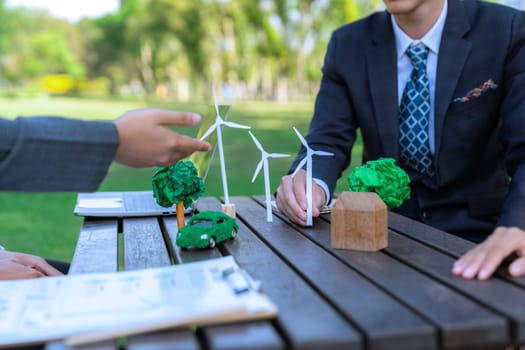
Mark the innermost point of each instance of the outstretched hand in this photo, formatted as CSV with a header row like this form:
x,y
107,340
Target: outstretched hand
x,y
21,266
482,260
146,139
291,197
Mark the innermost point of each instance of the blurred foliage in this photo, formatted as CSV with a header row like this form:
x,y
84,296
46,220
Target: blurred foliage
x,y
258,49
251,49
58,83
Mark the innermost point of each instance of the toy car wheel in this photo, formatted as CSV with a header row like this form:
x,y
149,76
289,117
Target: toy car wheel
x,y
234,234
212,242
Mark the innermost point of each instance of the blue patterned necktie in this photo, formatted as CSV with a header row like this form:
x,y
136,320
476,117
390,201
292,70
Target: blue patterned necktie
x,y
414,114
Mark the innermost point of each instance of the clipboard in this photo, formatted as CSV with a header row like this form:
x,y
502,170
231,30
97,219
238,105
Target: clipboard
x,y
85,308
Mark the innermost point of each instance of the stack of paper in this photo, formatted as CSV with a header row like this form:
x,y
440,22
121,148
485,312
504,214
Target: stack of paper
x,y
93,307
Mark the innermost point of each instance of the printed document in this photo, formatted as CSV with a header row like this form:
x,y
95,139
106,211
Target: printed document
x,y
91,307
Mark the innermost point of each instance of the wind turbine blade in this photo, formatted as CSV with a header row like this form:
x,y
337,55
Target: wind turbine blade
x,y
215,101
208,132
323,153
303,141
257,170
257,143
236,125
278,155
300,166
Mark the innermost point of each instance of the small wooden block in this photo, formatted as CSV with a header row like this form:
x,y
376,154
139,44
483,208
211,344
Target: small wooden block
x,y
359,222
229,209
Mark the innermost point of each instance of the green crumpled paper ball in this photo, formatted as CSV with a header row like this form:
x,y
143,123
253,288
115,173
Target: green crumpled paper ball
x,y
179,182
383,177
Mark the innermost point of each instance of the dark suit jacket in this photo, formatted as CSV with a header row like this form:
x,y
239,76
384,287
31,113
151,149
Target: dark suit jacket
x,y
480,144
43,154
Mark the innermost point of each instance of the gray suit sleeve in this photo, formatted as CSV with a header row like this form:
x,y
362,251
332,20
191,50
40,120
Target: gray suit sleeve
x,y
48,154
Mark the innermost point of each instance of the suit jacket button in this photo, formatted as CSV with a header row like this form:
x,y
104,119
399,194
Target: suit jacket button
x,y
425,215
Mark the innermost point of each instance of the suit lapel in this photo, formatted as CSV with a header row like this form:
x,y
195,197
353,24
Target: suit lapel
x,y
453,53
382,76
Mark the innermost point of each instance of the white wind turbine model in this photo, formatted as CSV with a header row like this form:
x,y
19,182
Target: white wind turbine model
x,y
263,164
308,160
217,127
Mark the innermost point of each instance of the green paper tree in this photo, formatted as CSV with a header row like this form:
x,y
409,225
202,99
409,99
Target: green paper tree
x,y
384,177
178,184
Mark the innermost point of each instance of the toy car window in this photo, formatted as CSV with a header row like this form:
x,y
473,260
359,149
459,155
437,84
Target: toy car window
x,y
202,222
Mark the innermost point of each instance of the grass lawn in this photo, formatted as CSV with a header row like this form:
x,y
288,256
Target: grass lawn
x,y
43,223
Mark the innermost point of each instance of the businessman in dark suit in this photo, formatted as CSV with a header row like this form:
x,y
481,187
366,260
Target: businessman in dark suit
x,y
46,154
468,170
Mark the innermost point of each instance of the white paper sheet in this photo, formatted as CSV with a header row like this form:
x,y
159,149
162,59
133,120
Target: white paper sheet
x,y
100,203
97,306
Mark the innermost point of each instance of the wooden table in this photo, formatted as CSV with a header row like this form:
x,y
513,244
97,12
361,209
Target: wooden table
x,y
403,297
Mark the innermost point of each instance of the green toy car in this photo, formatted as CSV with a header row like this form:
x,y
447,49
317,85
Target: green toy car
x,y
206,229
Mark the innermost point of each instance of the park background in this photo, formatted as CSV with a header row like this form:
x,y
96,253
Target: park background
x,y
263,57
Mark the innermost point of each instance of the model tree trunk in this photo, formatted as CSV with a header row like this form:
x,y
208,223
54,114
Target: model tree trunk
x,y
180,215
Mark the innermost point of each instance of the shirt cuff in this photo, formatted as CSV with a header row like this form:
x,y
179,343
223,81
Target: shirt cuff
x,y
324,186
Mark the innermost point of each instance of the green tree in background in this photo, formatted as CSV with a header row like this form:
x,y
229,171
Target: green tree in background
x,y
36,44
259,49
266,49
4,29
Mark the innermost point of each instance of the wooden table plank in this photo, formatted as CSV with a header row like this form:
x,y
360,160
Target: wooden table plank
x,y
344,287
96,249
462,322
442,241
179,339
144,245
103,345
246,336
437,239
496,294
483,314
235,336
298,304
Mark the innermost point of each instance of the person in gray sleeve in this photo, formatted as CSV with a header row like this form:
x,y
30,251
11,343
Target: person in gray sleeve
x,y
52,154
